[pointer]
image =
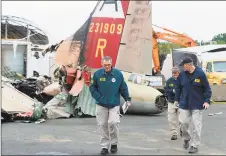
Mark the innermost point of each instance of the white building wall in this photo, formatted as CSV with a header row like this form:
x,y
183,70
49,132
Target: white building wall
x,y
43,65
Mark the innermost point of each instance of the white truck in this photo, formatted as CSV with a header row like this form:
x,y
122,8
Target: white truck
x,y
211,58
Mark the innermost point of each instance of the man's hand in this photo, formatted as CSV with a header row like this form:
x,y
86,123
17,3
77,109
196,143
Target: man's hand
x,y
176,104
206,105
128,103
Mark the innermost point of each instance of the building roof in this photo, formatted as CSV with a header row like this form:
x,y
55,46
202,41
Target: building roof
x,y
17,28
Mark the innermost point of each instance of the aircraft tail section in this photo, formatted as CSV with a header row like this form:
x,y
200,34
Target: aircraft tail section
x,y
104,34
119,29
135,52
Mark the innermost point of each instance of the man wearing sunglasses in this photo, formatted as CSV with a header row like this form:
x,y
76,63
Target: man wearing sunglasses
x,y
106,87
173,118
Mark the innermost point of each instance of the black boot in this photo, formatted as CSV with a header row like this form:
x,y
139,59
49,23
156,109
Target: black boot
x,y
104,151
114,148
174,137
186,144
193,150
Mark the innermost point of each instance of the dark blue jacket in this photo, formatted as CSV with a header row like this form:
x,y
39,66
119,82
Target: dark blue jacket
x,y
191,93
107,88
169,87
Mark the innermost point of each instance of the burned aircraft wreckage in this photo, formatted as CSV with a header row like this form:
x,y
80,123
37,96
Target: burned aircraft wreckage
x,y
80,55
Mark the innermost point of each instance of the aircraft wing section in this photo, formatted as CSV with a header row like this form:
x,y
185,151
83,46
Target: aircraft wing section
x,y
135,51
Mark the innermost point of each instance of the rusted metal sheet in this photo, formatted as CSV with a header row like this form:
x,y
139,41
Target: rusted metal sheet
x,y
77,85
14,101
218,92
86,102
68,52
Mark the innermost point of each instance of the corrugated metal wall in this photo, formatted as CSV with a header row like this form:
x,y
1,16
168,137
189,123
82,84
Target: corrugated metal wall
x,y
86,102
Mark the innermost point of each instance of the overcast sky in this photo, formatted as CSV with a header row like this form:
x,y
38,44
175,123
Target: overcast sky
x,y
59,19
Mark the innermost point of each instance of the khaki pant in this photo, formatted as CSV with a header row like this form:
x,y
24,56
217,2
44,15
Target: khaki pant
x,y
108,121
191,125
173,119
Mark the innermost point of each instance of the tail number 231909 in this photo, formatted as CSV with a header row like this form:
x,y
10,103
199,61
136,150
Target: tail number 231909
x,y
106,28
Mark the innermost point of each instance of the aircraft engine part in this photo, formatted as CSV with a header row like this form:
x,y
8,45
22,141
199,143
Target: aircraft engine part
x,y
145,100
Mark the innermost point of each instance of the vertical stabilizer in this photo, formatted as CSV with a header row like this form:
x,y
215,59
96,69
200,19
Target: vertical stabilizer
x,y
105,31
135,51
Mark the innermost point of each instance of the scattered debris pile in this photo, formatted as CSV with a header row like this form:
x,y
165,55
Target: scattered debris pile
x,y
14,101
37,98
7,73
33,87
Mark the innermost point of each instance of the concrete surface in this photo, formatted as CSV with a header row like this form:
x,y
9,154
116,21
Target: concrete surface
x,y
139,135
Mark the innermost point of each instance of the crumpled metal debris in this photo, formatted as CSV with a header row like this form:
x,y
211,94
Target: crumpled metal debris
x,y
14,101
49,106
42,82
56,108
13,76
53,89
33,87
32,116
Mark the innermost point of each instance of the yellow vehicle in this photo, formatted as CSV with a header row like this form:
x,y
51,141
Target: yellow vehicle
x,y
216,74
211,58
216,71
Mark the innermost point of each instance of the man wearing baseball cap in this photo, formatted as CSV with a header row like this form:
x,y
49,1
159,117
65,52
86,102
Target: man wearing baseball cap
x,y
193,94
173,118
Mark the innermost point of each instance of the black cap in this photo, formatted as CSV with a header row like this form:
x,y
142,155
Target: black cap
x,y
185,60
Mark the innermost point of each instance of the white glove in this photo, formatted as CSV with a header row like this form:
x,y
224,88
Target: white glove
x,y
173,90
176,104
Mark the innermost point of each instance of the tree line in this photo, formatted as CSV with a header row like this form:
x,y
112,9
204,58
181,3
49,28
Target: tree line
x,y
165,47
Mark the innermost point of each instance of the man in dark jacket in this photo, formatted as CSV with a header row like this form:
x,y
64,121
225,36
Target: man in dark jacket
x,y
193,93
106,87
173,118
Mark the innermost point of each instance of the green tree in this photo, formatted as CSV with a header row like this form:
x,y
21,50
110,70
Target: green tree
x,y
166,47
220,38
